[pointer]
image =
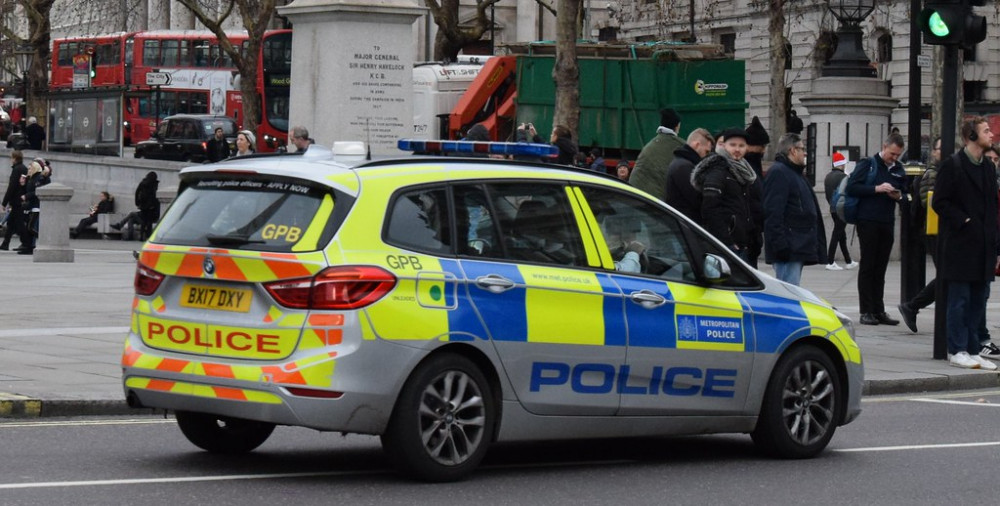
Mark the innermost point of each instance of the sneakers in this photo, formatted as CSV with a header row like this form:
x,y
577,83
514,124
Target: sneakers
x,y
834,267
884,319
910,319
853,265
964,360
990,350
984,364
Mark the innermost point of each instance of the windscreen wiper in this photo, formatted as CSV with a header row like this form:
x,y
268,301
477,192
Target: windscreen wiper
x,y
231,240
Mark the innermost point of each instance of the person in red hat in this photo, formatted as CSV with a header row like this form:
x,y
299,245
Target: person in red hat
x,y
839,235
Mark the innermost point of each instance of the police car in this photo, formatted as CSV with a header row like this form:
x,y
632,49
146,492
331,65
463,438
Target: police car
x,y
445,303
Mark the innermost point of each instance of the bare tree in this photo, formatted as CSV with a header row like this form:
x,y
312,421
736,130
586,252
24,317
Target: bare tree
x,y
452,38
776,94
37,13
566,71
256,16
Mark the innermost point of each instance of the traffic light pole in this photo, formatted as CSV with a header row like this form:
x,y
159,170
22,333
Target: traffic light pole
x,y
949,120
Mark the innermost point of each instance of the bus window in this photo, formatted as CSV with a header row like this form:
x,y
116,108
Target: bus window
x,y
201,53
151,53
168,53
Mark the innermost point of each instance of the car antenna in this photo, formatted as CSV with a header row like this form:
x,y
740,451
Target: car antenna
x,y
368,132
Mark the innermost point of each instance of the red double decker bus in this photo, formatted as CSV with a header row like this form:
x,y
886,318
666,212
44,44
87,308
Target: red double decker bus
x,y
203,79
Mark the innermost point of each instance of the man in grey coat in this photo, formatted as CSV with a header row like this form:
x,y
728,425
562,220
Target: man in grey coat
x,y
650,171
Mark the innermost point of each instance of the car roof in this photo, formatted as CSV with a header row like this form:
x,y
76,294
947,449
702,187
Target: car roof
x,y
322,165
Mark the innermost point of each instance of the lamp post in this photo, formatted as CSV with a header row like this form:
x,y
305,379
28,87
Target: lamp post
x,y
24,54
850,60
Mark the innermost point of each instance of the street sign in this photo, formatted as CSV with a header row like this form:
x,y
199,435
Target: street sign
x,y
157,79
923,61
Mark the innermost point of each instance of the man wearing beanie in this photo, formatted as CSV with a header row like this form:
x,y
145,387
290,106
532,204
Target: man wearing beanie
x,y
839,235
650,171
757,141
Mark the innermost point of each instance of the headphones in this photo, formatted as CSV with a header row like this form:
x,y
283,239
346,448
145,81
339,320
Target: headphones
x,y
974,135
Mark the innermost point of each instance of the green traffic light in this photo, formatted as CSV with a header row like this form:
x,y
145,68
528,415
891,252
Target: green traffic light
x,y
937,25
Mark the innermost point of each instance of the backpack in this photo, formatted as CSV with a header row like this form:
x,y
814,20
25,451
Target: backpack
x,y
846,206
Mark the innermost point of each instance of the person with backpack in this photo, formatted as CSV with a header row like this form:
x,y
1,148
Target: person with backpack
x,y
839,235
965,199
878,183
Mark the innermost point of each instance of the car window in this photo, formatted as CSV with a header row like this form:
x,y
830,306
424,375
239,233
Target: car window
x,y
265,214
537,223
476,228
419,220
208,128
629,223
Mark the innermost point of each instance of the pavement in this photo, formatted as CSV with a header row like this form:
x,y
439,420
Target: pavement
x,y
63,326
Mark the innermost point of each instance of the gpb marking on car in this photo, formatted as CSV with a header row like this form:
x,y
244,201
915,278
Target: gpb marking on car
x,y
272,231
403,262
603,378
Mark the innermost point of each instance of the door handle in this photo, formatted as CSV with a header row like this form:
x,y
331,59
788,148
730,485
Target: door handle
x,y
647,298
494,283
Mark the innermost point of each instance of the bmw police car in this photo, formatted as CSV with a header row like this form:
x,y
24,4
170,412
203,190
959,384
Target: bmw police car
x,y
445,303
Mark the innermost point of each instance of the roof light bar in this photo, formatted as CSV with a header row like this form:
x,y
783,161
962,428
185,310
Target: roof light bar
x,y
469,147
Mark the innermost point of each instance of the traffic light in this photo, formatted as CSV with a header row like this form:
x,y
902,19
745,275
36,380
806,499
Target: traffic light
x,y
92,62
952,22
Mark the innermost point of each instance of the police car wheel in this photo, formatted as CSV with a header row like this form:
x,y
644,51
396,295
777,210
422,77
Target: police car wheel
x,y
801,407
220,434
443,420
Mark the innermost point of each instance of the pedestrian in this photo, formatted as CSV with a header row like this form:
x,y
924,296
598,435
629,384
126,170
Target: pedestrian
x,y
623,170
105,205
597,161
650,171
218,147
31,205
34,133
300,138
724,179
149,209
925,297
477,133
878,183
839,235
794,123
965,199
12,199
562,139
757,141
245,142
793,225
679,193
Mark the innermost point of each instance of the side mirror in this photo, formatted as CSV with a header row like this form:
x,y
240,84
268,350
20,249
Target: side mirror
x,y
715,269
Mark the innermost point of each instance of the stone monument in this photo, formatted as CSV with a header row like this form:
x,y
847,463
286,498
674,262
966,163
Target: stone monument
x,y
52,244
352,70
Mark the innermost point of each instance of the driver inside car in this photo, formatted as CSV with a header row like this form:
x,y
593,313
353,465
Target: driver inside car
x,y
625,250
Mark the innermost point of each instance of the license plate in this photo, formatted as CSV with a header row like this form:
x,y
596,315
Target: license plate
x,y
214,297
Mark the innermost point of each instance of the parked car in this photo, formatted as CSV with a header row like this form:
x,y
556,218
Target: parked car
x,y
184,137
444,303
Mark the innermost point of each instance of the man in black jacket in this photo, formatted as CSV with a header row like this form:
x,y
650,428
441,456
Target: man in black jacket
x,y
793,226
879,183
679,193
218,147
12,199
965,199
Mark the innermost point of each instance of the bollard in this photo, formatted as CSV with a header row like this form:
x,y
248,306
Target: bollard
x,y
53,224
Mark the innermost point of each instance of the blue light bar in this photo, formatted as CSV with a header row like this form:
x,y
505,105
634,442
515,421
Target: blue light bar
x,y
484,148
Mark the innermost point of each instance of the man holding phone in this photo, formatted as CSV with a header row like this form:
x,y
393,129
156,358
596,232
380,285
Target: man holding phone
x,y
876,224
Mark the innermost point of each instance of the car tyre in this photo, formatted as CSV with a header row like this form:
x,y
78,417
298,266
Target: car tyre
x,y
443,420
220,434
802,405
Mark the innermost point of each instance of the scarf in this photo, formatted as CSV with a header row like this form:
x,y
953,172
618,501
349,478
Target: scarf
x,y
740,169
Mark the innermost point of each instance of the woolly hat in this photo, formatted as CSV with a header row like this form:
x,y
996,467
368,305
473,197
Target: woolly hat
x,y
839,160
729,133
669,118
756,135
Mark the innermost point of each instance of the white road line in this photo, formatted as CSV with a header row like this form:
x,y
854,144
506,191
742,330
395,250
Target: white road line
x,y
182,479
78,423
943,395
915,447
960,403
62,330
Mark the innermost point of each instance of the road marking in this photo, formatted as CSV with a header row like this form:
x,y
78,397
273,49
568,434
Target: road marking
x,y
183,479
908,398
915,447
78,423
959,403
62,330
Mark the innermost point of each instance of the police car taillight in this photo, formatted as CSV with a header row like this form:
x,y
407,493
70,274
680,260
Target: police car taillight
x,y
476,148
146,280
345,287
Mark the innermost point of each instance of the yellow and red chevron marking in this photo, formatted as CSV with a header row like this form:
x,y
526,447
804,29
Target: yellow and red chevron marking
x,y
316,370
252,266
209,391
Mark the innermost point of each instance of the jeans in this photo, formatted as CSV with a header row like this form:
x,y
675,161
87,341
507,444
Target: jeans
x,y
789,272
966,315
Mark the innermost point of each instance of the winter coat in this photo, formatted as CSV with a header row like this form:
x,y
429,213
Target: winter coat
x,y
725,202
145,197
14,191
831,183
873,206
965,199
567,150
650,171
793,223
678,192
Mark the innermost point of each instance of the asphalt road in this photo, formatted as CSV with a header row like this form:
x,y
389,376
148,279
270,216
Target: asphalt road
x,y
903,450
